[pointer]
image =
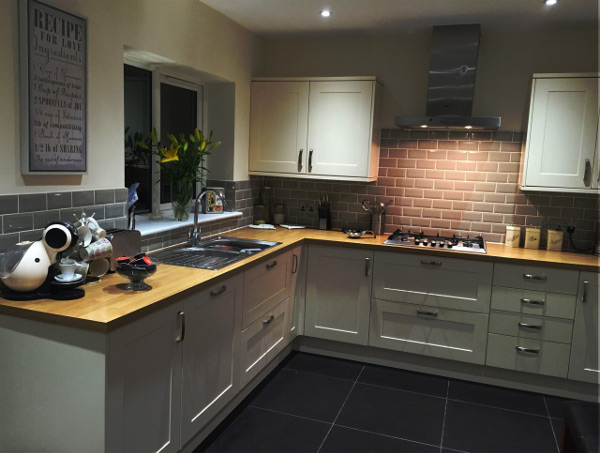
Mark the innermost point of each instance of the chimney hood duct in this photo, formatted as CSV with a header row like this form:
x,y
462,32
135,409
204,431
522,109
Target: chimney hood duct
x,y
454,50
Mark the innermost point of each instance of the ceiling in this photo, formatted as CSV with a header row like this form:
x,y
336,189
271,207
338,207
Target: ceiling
x,y
301,17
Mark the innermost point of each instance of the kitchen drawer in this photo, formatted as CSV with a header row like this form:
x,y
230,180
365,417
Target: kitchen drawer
x,y
545,357
459,284
530,326
536,278
533,302
265,285
431,331
263,340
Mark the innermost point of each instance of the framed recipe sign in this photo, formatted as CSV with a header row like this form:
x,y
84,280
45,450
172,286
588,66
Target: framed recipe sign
x,y
53,65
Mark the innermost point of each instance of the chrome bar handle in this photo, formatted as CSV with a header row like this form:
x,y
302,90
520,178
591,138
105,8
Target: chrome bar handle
x,y
431,263
532,302
542,278
427,312
587,173
271,265
310,153
300,160
180,327
294,263
584,296
219,291
530,326
527,350
266,322
367,267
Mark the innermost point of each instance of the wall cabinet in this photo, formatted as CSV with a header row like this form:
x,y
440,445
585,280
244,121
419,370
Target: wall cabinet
x,y
338,294
318,128
584,364
561,152
210,353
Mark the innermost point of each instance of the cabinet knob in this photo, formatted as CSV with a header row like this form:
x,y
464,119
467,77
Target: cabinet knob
x,y
266,322
271,265
216,292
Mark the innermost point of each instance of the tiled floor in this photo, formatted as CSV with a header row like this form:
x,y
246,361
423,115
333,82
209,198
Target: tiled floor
x,y
319,404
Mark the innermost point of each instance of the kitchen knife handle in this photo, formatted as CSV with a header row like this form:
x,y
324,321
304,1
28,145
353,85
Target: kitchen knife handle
x,y
367,267
310,153
584,296
294,263
271,265
527,350
532,302
300,160
216,292
587,173
530,326
181,327
542,278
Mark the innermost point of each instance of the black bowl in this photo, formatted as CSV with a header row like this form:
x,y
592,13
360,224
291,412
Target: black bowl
x,y
136,274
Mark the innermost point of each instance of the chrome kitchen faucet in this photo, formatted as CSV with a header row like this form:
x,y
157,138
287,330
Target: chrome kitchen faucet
x,y
196,231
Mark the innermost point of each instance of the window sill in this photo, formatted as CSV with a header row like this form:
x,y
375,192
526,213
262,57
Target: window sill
x,y
148,226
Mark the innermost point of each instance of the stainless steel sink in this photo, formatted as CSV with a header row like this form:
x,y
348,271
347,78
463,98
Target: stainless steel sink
x,y
214,253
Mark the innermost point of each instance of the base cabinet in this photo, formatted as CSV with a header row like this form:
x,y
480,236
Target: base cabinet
x,y
210,353
338,294
297,292
584,364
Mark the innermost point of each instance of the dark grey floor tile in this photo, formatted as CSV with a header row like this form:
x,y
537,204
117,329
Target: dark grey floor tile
x,y
557,425
304,394
260,431
344,440
470,392
554,404
327,366
404,380
474,428
406,415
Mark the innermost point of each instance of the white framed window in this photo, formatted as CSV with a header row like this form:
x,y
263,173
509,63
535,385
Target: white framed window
x,y
176,106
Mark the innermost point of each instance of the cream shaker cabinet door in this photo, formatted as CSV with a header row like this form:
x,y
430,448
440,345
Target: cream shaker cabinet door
x,y
297,292
210,353
584,349
338,292
562,134
278,127
143,408
340,125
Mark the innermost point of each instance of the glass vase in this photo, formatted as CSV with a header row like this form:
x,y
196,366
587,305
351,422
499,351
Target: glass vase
x,y
181,195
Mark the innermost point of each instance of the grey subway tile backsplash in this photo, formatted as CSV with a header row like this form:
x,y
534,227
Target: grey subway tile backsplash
x,y
32,235
9,204
32,202
8,240
120,195
57,200
114,210
83,198
43,218
13,223
104,196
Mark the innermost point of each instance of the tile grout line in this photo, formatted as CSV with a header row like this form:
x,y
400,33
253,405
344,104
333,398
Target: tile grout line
x,y
340,411
551,425
444,420
288,414
387,435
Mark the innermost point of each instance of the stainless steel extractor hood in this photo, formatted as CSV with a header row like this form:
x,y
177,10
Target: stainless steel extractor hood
x,y
452,69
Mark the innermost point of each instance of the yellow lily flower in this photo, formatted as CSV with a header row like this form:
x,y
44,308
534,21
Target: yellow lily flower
x,y
170,154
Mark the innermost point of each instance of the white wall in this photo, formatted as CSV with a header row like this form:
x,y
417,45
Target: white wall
x,y
507,59
185,31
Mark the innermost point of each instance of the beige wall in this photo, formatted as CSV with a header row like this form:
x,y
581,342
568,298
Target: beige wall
x,y
183,30
401,61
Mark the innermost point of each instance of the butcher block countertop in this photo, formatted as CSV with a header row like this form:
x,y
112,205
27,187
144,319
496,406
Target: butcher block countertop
x,y
106,306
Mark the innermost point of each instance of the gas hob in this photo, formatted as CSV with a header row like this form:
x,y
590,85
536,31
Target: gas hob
x,y
460,244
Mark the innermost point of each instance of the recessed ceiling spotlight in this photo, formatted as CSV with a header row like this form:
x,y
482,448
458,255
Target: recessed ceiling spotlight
x,y
550,2
327,13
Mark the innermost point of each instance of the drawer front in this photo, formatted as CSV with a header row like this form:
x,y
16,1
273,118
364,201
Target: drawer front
x,y
533,302
265,285
533,327
457,284
539,357
536,278
263,340
431,331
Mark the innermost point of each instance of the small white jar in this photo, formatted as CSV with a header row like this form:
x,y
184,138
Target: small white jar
x,y
555,240
532,238
513,236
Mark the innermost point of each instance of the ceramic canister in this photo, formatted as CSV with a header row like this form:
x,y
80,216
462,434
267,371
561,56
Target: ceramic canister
x,y
555,240
532,238
513,236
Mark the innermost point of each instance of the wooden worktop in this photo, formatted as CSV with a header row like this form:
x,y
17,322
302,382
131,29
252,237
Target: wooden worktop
x,y
107,305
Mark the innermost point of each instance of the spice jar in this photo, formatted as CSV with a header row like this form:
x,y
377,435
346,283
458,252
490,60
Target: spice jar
x,y
555,240
513,236
532,238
